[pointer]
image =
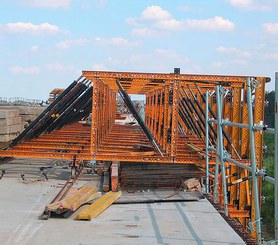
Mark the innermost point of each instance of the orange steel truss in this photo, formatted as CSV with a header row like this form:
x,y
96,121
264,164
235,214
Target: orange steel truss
x,y
106,141
174,119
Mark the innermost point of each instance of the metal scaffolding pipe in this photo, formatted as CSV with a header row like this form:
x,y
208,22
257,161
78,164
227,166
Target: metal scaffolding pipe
x,y
276,158
253,162
249,168
271,130
207,144
216,173
239,125
219,99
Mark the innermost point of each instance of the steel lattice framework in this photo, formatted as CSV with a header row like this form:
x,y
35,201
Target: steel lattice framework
x,y
175,115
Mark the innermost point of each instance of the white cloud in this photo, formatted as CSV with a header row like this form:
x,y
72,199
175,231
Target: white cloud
x,y
170,24
59,67
133,21
156,60
217,65
54,4
25,70
271,56
155,13
212,24
144,32
217,23
172,55
239,62
113,61
271,28
101,3
236,52
158,18
161,60
253,57
34,48
29,28
240,2
73,42
257,5
227,49
116,41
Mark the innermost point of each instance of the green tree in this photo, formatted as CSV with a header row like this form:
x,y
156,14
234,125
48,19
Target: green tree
x,y
269,109
268,188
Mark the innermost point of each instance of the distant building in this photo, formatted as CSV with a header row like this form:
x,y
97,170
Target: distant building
x,y
54,94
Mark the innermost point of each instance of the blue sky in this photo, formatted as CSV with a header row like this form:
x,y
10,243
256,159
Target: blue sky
x,y
47,43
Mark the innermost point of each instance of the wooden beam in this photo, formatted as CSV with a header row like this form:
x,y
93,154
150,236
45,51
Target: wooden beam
x,y
99,206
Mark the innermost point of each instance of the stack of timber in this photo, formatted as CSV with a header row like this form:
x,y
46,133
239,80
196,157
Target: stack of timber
x,y
72,202
27,113
10,124
136,176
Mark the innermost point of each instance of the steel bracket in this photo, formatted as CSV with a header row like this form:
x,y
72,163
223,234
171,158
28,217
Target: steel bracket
x,y
251,224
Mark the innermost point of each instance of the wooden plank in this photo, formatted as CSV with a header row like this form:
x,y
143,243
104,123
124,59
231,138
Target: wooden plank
x,y
99,206
197,149
106,182
74,201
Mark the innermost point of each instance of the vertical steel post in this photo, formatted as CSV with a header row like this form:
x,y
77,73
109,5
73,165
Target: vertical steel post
x,y
174,129
255,193
276,157
207,142
216,173
219,100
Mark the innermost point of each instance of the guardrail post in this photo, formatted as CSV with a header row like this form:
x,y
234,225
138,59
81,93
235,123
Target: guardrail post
x,y
207,142
255,193
219,100
276,158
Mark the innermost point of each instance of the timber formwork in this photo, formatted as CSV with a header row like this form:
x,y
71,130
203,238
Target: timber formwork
x,y
175,115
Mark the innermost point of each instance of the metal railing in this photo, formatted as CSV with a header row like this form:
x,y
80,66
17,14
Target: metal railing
x,y
19,101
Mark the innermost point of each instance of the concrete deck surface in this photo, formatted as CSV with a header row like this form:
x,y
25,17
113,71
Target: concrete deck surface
x,y
22,202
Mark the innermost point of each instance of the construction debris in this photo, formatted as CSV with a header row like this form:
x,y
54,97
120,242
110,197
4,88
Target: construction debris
x,y
192,184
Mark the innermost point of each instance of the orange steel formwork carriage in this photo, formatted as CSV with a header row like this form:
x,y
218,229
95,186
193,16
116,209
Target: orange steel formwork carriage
x,y
175,116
